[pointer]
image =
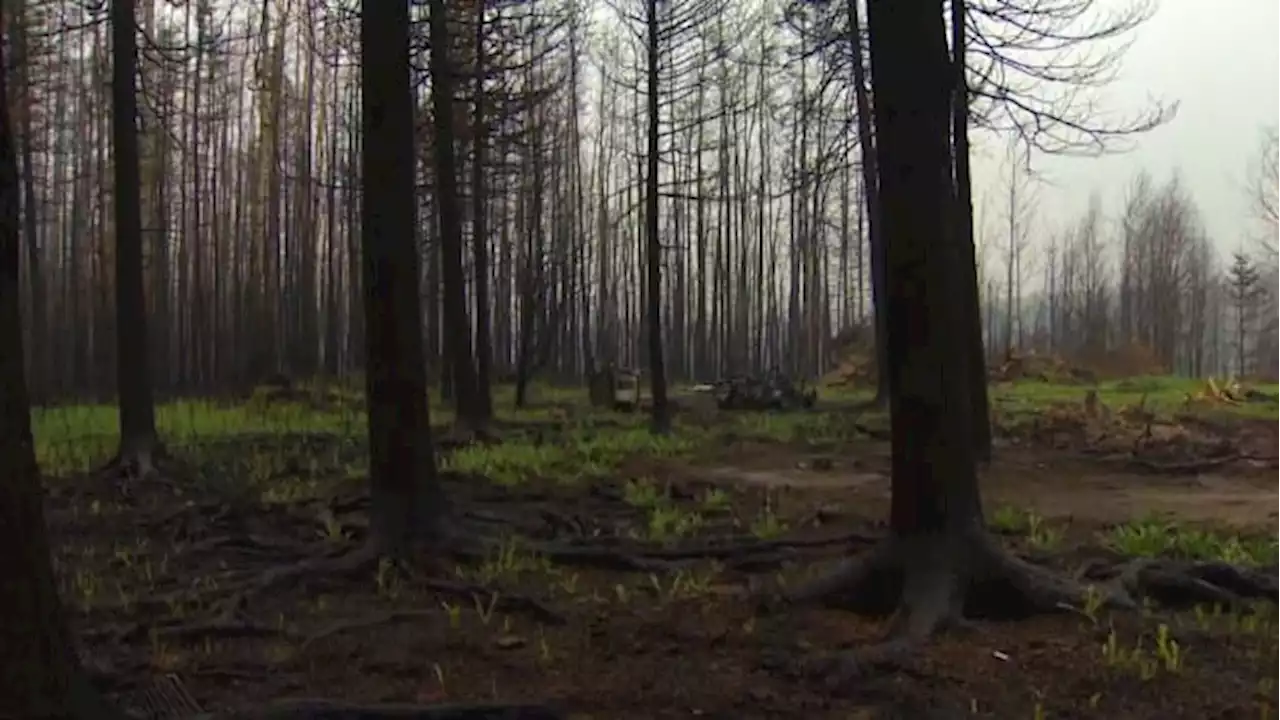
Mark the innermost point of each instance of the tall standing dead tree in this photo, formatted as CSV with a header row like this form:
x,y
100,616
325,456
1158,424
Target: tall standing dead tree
x,y
407,500
40,676
138,439
461,359
661,413
938,555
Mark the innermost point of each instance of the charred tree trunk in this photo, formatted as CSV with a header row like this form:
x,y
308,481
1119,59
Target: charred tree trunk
x,y
138,440
39,335
40,676
407,499
479,240
938,562
456,325
867,142
661,417
980,409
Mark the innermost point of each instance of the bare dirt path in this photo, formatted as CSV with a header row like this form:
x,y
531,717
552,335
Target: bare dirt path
x,y
1053,484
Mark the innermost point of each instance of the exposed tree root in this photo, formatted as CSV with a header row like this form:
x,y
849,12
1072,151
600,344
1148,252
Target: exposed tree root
x,y
220,628
933,583
136,464
362,561
135,461
1191,467
356,562
1183,584
649,557
323,710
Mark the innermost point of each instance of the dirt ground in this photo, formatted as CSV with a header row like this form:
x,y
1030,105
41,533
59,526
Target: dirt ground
x,y
585,616
1055,484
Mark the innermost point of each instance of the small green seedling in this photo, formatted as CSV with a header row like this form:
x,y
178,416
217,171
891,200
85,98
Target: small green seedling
x,y
485,611
1168,650
454,613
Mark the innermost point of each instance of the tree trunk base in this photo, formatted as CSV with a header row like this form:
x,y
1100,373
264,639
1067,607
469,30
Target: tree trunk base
x,y
932,584
927,583
936,583
137,461
325,710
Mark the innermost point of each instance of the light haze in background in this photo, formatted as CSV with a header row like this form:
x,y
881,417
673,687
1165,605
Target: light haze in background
x,y
1220,60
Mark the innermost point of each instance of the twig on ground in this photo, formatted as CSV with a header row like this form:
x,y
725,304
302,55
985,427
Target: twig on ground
x,y
324,710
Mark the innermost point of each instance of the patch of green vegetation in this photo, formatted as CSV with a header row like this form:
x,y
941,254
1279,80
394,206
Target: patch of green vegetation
x,y
666,522
642,493
716,499
508,562
1163,395
767,525
1159,538
1007,519
581,453
1039,533
1164,654
812,428
75,438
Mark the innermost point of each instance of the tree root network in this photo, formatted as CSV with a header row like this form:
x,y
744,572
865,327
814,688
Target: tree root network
x,y
931,584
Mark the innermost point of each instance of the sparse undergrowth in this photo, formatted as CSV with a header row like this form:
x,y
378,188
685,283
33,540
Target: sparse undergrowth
x,y
621,583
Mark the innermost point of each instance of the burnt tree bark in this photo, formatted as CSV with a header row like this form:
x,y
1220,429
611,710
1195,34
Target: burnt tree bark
x,y
38,373
479,241
980,422
40,675
407,501
457,327
661,413
938,562
871,197
138,439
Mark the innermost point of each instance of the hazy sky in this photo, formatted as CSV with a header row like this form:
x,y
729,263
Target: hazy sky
x,y
1221,62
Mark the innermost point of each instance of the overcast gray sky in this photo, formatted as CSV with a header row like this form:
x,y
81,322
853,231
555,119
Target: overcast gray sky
x,y
1221,61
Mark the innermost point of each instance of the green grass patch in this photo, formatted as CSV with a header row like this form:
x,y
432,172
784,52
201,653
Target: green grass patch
x,y
75,438
1162,395
1161,538
584,452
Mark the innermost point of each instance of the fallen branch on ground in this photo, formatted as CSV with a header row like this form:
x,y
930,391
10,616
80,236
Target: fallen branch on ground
x,y
219,628
364,560
647,557
325,710
1190,467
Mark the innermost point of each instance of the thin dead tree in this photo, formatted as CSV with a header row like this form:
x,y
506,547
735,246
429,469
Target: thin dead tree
x,y
1265,190
139,442
40,675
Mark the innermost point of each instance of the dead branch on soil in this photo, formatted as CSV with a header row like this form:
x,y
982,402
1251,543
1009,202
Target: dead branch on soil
x,y
497,602
218,628
325,710
167,697
1193,467
354,563
1182,584
646,557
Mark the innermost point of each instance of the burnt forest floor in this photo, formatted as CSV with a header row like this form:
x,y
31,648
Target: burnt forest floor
x,y
622,574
